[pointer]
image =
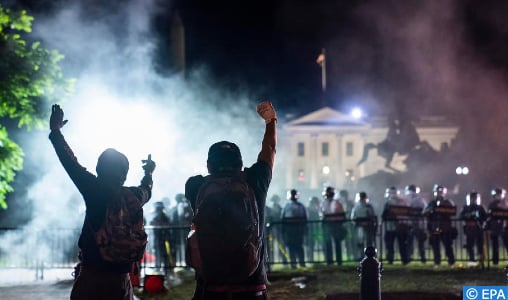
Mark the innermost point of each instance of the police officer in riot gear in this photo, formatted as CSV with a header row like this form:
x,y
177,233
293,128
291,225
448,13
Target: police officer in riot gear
x,y
365,222
333,231
395,227
294,227
439,225
474,216
497,226
417,204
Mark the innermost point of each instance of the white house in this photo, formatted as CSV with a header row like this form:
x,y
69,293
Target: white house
x,y
324,147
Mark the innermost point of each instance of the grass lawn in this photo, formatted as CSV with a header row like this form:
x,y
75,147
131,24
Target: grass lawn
x,y
328,282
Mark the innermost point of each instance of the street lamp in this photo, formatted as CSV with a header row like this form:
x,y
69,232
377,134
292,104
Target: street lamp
x,y
462,170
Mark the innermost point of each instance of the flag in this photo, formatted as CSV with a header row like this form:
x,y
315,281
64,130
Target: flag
x,y
321,59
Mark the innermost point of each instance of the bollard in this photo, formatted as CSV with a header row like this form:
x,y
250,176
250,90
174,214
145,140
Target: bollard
x,y
370,274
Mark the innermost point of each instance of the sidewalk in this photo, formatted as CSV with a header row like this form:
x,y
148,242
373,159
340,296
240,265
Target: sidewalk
x,y
21,284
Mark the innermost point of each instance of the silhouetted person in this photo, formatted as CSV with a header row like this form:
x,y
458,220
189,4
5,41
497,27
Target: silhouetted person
x,y
418,232
225,163
313,215
181,219
294,219
440,226
395,227
365,221
474,216
333,232
275,213
498,227
98,278
350,241
162,238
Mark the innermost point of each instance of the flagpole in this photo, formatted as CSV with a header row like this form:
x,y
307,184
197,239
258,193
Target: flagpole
x,y
323,70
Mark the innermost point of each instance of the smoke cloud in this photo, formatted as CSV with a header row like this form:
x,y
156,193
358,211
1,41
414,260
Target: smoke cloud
x,y
121,102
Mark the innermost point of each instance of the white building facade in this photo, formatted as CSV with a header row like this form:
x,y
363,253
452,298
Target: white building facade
x,y
324,147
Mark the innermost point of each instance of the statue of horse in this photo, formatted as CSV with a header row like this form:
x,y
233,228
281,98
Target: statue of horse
x,y
402,138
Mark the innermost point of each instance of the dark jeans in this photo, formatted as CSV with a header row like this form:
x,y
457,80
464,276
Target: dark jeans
x,y
332,235
420,236
474,237
495,246
296,253
445,238
402,241
92,284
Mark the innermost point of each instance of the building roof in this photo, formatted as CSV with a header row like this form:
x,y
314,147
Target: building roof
x,y
326,117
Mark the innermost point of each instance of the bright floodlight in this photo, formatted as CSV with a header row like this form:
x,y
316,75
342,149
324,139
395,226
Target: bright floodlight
x,y
458,170
357,113
462,170
465,170
326,170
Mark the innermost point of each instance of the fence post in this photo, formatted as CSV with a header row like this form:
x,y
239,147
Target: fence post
x,y
370,273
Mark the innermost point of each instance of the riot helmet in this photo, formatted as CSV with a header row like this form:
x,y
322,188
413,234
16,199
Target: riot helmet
x,y
498,193
314,201
329,192
180,198
439,190
361,196
473,198
412,189
391,192
293,194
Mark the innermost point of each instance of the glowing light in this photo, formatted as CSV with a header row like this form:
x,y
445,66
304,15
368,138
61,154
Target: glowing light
x,y
460,170
326,170
357,113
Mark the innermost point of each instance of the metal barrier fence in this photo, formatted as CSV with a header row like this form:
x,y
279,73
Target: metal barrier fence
x,y
352,249
57,248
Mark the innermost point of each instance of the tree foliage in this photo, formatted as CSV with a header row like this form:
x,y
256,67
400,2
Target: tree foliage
x,y
30,80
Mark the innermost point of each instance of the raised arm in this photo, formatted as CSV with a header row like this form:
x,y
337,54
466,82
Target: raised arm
x,y
267,112
78,174
147,182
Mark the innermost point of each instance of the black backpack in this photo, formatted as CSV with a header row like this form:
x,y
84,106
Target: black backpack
x,y
224,243
121,238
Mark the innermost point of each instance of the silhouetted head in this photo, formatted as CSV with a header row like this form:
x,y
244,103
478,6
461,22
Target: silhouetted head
x,y
293,195
361,197
498,193
180,198
112,168
224,157
314,201
439,191
159,206
275,199
329,192
473,198
412,189
391,192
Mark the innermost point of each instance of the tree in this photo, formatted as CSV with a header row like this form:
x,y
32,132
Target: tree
x,y
30,81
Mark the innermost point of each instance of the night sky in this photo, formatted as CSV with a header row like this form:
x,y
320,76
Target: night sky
x,y
410,58
269,48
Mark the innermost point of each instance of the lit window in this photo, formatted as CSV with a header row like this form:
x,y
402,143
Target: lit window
x,y
349,149
301,175
324,149
301,149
